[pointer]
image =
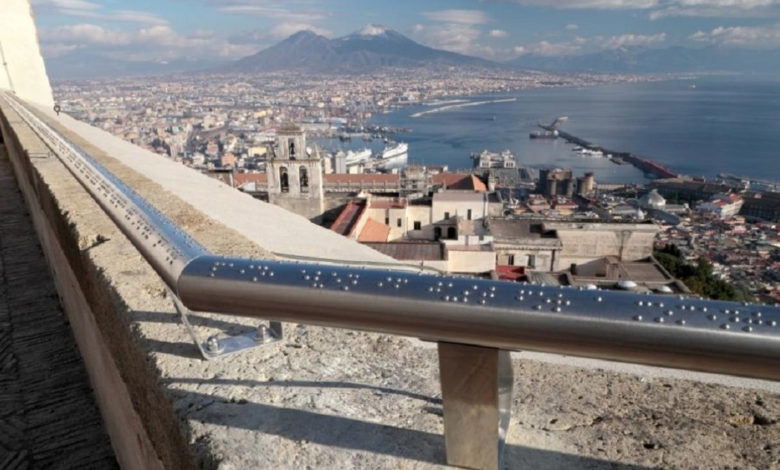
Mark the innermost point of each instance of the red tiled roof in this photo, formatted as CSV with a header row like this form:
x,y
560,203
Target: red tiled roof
x,y
510,273
346,221
462,181
374,231
361,178
240,179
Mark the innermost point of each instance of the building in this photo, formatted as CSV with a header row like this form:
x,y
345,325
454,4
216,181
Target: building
x,y
524,242
295,174
722,205
554,182
586,185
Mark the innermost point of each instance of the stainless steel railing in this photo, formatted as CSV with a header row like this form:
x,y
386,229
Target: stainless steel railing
x,y
714,336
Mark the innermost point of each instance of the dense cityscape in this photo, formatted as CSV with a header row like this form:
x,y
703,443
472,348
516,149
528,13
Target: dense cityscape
x,y
231,127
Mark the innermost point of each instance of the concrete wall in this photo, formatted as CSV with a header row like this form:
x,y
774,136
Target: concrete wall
x,y
476,205
544,258
470,262
24,72
585,242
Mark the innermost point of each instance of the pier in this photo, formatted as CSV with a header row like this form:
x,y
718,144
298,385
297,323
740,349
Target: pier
x,y
649,167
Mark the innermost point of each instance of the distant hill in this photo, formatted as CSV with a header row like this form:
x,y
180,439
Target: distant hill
x,y
657,60
371,47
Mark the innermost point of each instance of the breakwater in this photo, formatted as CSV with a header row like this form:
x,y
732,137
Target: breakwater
x,y
649,167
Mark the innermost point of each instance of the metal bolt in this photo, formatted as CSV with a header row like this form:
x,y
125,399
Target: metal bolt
x,y
212,344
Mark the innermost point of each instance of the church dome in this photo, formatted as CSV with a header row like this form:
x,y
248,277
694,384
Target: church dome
x,y
652,199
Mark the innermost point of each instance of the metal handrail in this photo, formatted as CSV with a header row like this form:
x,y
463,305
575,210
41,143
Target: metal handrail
x,y
714,336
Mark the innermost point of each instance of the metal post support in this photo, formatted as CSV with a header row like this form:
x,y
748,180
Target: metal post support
x,y
219,345
476,386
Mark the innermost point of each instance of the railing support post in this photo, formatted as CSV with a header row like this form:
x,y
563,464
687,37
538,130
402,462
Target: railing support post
x,y
476,385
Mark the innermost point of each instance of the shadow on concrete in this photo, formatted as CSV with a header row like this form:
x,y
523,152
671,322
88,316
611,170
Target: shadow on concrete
x,y
194,318
174,348
349,433
307,384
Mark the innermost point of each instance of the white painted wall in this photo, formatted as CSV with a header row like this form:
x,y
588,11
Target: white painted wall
x,y
24,72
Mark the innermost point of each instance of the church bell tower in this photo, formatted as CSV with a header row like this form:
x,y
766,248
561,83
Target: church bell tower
x,y
295,174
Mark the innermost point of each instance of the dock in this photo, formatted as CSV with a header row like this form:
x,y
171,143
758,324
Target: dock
x,y
649,167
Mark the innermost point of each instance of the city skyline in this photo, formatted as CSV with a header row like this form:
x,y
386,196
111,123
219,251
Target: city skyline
x,y
495,30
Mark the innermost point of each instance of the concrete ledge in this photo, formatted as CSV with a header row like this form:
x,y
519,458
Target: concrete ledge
x,y
338,399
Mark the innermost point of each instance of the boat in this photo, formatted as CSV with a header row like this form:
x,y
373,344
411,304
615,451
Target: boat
x,y
353,158
394,156
543,135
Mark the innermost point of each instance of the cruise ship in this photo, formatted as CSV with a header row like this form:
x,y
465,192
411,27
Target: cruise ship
x,y
353,158
394,156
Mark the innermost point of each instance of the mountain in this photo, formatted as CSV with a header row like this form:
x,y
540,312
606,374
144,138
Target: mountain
x,y
657,60
79,65
371,47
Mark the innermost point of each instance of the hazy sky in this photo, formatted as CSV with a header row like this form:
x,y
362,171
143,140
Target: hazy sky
x,y
494,29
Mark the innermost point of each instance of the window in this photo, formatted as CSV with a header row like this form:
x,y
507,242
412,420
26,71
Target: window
x,y
452,234
468,214
387,220
398,222
531,261
292,150
303,174
446,215
437,233
417,225
284,181
510,260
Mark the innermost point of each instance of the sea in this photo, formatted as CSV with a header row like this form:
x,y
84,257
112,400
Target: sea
x,y
697,127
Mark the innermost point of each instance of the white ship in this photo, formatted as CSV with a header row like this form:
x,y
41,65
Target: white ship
x,y
394,156
353,158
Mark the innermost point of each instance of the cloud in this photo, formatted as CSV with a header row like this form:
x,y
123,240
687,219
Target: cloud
x,y
498,33
741,36
85,9
156,42
454,37
667,8
546,48
67,4
470,17
286,29
270,10
591,4
571,27
588,44
718,9
624,40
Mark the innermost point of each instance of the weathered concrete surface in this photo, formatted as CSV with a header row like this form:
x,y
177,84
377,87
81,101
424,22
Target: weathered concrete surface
x,y
23,71
338,399
48,415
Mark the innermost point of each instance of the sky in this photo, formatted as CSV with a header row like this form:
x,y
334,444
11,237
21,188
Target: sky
x,y
491,29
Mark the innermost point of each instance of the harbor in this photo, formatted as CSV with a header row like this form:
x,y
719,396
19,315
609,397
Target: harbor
x,y
649,167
